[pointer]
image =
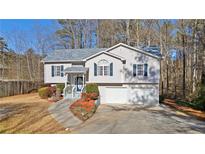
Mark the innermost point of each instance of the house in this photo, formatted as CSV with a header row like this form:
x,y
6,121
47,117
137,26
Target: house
x,y
124,74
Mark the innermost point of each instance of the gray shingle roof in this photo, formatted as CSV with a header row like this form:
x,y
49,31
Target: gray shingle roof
x,y
155,50
80,54
72,54
75,70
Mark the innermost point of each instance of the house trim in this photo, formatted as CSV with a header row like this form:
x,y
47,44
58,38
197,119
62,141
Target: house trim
x,y
104,52
61,61
124,83
132,48
126,46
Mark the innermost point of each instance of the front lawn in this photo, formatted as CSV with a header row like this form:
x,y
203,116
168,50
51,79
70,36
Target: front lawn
x,y
27,114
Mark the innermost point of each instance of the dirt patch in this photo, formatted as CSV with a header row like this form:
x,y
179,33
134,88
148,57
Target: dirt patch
x,y
28,114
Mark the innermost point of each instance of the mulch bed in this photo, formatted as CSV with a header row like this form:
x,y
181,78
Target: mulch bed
x,y
83,109
198,114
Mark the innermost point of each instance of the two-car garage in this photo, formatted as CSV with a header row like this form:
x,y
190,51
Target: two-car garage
x,y
146,94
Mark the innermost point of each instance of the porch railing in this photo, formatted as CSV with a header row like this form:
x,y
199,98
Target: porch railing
x,y
83,89
67,91
71,91
74,89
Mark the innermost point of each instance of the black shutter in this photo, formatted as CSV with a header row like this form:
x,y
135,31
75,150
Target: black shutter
x,y
111,69
95,69
62,69
52,71
145,69
134,69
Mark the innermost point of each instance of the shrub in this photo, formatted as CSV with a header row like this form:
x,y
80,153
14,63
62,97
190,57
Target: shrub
x,y
196,100
83,95
52,89
199,102
93,96
89,96
45,85
60,86
58,93
161,98
198,105
45,92
92,88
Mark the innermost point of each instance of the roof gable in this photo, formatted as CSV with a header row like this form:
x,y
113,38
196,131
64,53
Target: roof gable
x,y
107,53
65,55
134,49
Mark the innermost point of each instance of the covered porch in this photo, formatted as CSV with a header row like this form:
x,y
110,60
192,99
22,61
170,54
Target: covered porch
x,y
75,81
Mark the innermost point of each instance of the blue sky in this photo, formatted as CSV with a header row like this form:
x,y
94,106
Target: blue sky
x,y
26,26
10,27
23,24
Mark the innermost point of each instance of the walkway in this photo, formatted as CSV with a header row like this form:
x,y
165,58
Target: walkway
x,y
61,113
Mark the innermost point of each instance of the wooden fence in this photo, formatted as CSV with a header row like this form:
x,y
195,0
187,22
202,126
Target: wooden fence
x,y
10,88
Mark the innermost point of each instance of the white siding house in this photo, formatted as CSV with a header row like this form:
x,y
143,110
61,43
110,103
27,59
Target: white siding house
x,y
125,74
135,57
116,77
49,78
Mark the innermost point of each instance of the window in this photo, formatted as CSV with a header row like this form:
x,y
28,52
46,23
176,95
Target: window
x,y
100,70
57,71
140,69
103,68
106,70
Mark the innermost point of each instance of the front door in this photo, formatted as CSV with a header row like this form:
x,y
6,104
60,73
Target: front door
x,y
79,83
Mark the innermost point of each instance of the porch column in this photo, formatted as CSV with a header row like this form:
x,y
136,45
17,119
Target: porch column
x,y
83,80
64,90
66,80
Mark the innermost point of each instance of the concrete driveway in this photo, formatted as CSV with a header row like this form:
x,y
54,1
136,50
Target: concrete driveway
x,y
124,119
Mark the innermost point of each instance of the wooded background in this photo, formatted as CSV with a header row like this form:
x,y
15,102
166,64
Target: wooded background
x,y
181,43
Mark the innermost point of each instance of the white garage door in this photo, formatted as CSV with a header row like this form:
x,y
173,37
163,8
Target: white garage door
x,y
135,94
143,95
116,95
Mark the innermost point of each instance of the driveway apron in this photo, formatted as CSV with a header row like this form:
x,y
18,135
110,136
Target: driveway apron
x,y
130,119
